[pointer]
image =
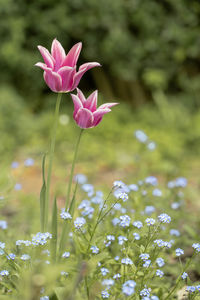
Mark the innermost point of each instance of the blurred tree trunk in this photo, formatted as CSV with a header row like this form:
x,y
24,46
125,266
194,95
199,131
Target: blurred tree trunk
x,y
132,92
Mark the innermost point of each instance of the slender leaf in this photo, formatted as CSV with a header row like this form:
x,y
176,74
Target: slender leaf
x,y
43,195
54,231
72,204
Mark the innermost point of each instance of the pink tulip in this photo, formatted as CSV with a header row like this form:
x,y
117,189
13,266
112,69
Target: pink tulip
x,y
60,69
86,114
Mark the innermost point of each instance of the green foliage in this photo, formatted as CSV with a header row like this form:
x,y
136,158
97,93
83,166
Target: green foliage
x,y
143,45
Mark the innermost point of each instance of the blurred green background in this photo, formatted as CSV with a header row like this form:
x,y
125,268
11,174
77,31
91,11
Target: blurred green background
x,y
150,56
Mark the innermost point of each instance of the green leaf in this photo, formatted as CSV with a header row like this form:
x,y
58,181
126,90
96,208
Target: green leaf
x,y
72,204
43,195
54,230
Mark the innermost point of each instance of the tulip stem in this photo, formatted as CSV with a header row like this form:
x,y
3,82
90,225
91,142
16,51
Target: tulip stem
x,y
72,170
51,155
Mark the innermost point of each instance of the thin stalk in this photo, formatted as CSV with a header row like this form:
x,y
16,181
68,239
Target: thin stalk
x,y
72,170
99,219
179,278
51,155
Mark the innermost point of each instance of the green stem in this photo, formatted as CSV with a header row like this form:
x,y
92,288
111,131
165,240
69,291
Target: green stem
x,y
179,278
51,155
99,219
72,170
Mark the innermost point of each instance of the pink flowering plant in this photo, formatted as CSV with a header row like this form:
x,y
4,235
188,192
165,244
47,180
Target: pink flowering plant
x,y
114,246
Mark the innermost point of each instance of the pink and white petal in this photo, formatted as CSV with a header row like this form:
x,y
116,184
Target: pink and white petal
x,y
91,102
81,96
73,55
84,118
77,104
58,53
107,105
83,68
98,115
77,78
67,75
53,80
48,59
88,66
42,66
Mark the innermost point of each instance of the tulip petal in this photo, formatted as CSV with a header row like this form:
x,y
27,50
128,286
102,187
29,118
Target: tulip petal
x,y
53,80
58,53
98,115
42,66
67,75
48,59
83,68
81,96
107,105
73,55
84,118
88,66
91,102
77,104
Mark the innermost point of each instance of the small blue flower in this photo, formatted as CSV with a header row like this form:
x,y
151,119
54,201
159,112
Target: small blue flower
x,y
151,180
117,276
149,210
3,224
136,236
79,222
150,221
29,162
80,178
104,271
160,262
65,215
157,193
164,218
198,288
18,186
66,254
190,289
128,287
44,298
147,263
25,257
196,246
184,275
63,273
151,146
145,292
159,243
138,224
122,239
179,252
95,250
144,256
11,256
174,232
105,294
108,282
4,273
117,258
133,187
175,205
14,165
126,261
124,221
159,273
115,221
2,245
141,136
123,196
